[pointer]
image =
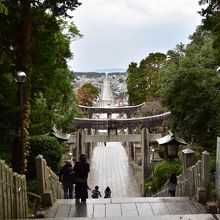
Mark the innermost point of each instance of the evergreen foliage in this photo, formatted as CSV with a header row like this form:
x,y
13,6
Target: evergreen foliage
x,y
211,22
190,90
161,173
143,80
34,38
51,150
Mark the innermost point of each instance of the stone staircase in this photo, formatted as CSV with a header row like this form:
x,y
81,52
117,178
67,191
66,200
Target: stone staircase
x,y
153,208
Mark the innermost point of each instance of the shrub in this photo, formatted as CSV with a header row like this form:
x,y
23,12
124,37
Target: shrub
x,y
51,150
161,173
211,193
6,156
162,152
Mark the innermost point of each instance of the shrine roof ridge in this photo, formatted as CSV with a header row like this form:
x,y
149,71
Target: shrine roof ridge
x,y
126,119
110,109
119,107
153,120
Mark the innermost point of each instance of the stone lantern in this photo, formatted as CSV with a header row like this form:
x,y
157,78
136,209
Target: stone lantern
x,y
171,144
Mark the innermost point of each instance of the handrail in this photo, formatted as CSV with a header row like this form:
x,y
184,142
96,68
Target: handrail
x,y
55,180
20,189
178,185
7,184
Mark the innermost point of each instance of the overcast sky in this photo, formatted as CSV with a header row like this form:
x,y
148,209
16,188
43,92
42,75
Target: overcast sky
x,y
118,32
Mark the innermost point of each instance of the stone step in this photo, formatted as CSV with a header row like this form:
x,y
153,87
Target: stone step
x,y
129,208
149,217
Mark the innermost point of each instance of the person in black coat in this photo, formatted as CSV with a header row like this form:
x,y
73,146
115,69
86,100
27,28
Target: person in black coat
x,y
81,169
172,184
108,192
65,177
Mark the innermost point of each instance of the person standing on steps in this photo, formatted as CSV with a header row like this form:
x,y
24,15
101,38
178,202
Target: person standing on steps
x,y
65,177
81,169
172,184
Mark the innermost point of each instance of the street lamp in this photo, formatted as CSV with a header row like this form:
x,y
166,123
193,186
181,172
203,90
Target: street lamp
x,y
18,148
20,78
218,71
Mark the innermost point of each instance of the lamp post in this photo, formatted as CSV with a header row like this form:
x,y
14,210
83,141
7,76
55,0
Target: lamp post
x,y
18,147
218,71
21,78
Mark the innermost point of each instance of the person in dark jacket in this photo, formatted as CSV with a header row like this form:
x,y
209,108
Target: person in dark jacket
x,y
81,169
108,192
65,177
172,184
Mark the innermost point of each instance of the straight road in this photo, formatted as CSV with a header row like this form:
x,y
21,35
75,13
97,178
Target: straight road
x,y
110,167
109,164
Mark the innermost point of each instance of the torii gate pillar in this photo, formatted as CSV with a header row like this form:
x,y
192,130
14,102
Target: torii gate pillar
x,y
79,143
145,160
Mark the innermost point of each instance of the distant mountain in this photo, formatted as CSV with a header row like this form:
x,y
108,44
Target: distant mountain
x,y
111,70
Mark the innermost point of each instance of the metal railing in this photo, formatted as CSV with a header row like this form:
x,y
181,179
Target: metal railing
x,y
191,189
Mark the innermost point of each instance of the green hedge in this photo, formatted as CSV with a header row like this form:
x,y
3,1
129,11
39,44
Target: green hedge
x,y
51,150
161,173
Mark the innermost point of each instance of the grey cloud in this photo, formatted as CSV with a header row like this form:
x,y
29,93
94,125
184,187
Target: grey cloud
x,y
118,32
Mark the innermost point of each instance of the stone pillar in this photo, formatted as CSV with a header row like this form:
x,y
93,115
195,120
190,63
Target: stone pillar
x,y
145,154
40,175
131,145
205,168
83,147
128,115
201,195
95,143
87,146
189,158
78,143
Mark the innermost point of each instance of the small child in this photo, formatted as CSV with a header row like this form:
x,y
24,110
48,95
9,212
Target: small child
x,y
107,192
96,193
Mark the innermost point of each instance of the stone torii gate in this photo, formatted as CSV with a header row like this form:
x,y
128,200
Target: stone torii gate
x,y
129,111
112,125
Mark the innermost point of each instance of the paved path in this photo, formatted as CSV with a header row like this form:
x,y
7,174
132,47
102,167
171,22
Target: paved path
x,y
110,167
131,208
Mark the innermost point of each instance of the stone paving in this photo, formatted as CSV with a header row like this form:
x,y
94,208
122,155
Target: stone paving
x,y
130,208
110,167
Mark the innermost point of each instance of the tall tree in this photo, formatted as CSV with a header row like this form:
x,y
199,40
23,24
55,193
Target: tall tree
x,y
150,67
135,85
189,88
211,21
16,45
87,93
143,80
